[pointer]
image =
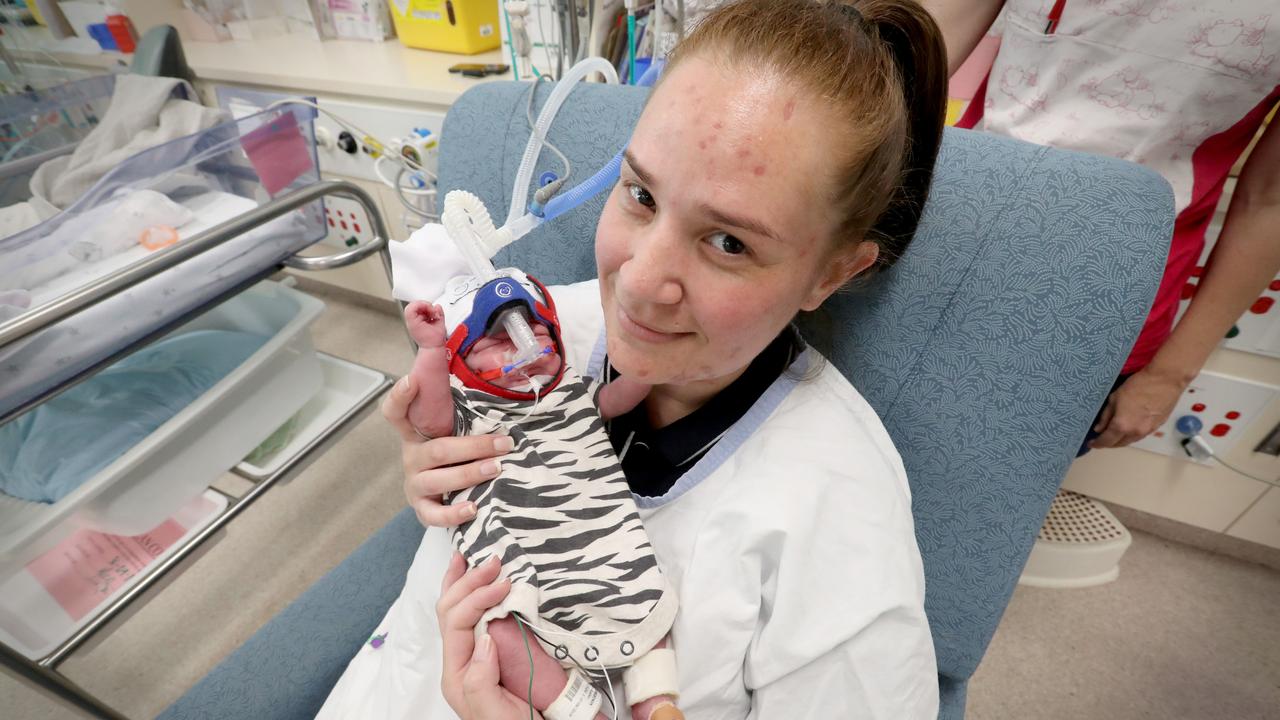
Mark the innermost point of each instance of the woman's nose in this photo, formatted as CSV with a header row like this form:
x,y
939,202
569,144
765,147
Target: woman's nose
x,y
653,272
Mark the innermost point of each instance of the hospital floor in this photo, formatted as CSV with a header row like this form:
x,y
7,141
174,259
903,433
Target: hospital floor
x,y
1183,633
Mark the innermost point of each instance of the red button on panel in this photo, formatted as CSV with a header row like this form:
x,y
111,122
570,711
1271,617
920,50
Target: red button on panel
x,y
1262,305
1275,285
1198,407
356,226
344,224
1220,429
1233,415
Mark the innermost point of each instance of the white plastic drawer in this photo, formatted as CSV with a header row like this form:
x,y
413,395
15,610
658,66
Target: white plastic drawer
x,y
185,455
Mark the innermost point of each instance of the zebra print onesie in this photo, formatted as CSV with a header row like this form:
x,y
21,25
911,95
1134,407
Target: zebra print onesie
x,y
562,519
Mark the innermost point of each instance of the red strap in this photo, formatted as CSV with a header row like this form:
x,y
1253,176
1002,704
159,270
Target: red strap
x,y
973,111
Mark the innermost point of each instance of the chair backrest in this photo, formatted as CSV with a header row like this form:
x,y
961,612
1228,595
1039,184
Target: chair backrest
x,y
986,349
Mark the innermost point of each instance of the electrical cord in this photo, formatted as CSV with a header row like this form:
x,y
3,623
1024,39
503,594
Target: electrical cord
x,y
365,137
542,39
540,631
406,164
1235,469
407,203
529,653
377,170
1197,448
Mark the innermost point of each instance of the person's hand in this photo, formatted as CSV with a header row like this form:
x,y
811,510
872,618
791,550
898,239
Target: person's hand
x,y
469,678
443,465
1136,408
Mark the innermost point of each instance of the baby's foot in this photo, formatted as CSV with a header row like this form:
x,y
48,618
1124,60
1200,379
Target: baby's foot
x,y
515,647
426,324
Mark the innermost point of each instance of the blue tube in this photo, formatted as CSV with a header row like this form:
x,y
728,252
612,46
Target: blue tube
x,y
651,75
567,201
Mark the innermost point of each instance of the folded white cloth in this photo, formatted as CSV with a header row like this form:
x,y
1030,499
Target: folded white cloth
x,y
422,265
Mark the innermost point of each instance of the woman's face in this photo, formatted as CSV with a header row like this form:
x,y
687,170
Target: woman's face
x,y
718,230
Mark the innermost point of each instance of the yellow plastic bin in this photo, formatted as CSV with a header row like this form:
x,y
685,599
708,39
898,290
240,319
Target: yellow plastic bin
x,y
456,26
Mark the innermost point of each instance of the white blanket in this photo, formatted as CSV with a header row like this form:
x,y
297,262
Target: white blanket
x,y
142,115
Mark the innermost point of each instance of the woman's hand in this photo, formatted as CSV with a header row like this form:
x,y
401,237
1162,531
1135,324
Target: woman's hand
x,y
1137,408
443,465
469,677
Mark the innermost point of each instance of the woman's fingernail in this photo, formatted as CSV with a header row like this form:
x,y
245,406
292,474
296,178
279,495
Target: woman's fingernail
x,y
484,647
469,510
504,444
405,384
491,561
490,468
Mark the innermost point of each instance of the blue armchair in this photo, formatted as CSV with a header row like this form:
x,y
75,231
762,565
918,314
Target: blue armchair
x,y
986,350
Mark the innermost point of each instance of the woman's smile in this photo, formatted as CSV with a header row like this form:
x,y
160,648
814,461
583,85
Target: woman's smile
x,y
646,332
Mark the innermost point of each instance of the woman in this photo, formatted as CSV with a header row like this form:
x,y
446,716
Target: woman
x,y
786,151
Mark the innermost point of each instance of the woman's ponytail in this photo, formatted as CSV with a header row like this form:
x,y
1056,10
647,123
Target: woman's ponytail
x,y
920,55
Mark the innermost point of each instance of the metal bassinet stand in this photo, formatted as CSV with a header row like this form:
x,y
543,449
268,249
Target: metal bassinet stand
x,y
44,673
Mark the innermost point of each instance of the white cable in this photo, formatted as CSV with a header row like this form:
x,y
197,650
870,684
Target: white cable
x,y
348,125
1196,447
542,38
408,203
377,170
1237,470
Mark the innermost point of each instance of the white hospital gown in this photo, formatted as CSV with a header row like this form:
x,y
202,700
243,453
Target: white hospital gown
x,y
791,547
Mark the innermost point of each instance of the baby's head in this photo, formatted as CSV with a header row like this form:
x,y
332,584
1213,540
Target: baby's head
x,y
473,311
491,353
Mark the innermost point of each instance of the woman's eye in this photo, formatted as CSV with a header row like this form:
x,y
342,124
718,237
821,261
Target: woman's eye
x,y
640,195
727,244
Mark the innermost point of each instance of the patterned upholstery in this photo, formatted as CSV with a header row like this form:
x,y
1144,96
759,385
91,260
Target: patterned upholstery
x,y
986,350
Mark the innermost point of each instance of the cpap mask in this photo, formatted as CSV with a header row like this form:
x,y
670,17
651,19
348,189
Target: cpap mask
x,y
467,221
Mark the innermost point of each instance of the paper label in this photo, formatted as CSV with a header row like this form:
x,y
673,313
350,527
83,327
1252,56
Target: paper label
x,y
87,567
579,701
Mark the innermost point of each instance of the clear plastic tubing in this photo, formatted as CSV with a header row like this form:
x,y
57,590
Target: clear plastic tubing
x,y
604,178
524,177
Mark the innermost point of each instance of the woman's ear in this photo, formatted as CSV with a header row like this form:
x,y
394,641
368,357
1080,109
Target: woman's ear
x,y
846,264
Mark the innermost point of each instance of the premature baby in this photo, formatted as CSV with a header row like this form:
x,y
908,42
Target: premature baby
x,y
559,515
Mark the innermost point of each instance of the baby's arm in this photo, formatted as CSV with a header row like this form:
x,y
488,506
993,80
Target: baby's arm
x,y
620,396
431,412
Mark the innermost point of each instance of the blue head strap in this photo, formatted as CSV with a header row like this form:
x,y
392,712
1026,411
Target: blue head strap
x,y
493,296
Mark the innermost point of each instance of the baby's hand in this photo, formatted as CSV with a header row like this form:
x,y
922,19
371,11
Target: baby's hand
x,y
426,324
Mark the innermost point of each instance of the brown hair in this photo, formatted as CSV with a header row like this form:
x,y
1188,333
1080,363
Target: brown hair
x,y
883,66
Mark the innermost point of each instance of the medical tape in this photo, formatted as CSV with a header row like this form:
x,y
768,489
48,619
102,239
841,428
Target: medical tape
x,y
651,676
578,701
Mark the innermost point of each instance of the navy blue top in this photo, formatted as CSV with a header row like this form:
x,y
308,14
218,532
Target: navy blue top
x,y
653,459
